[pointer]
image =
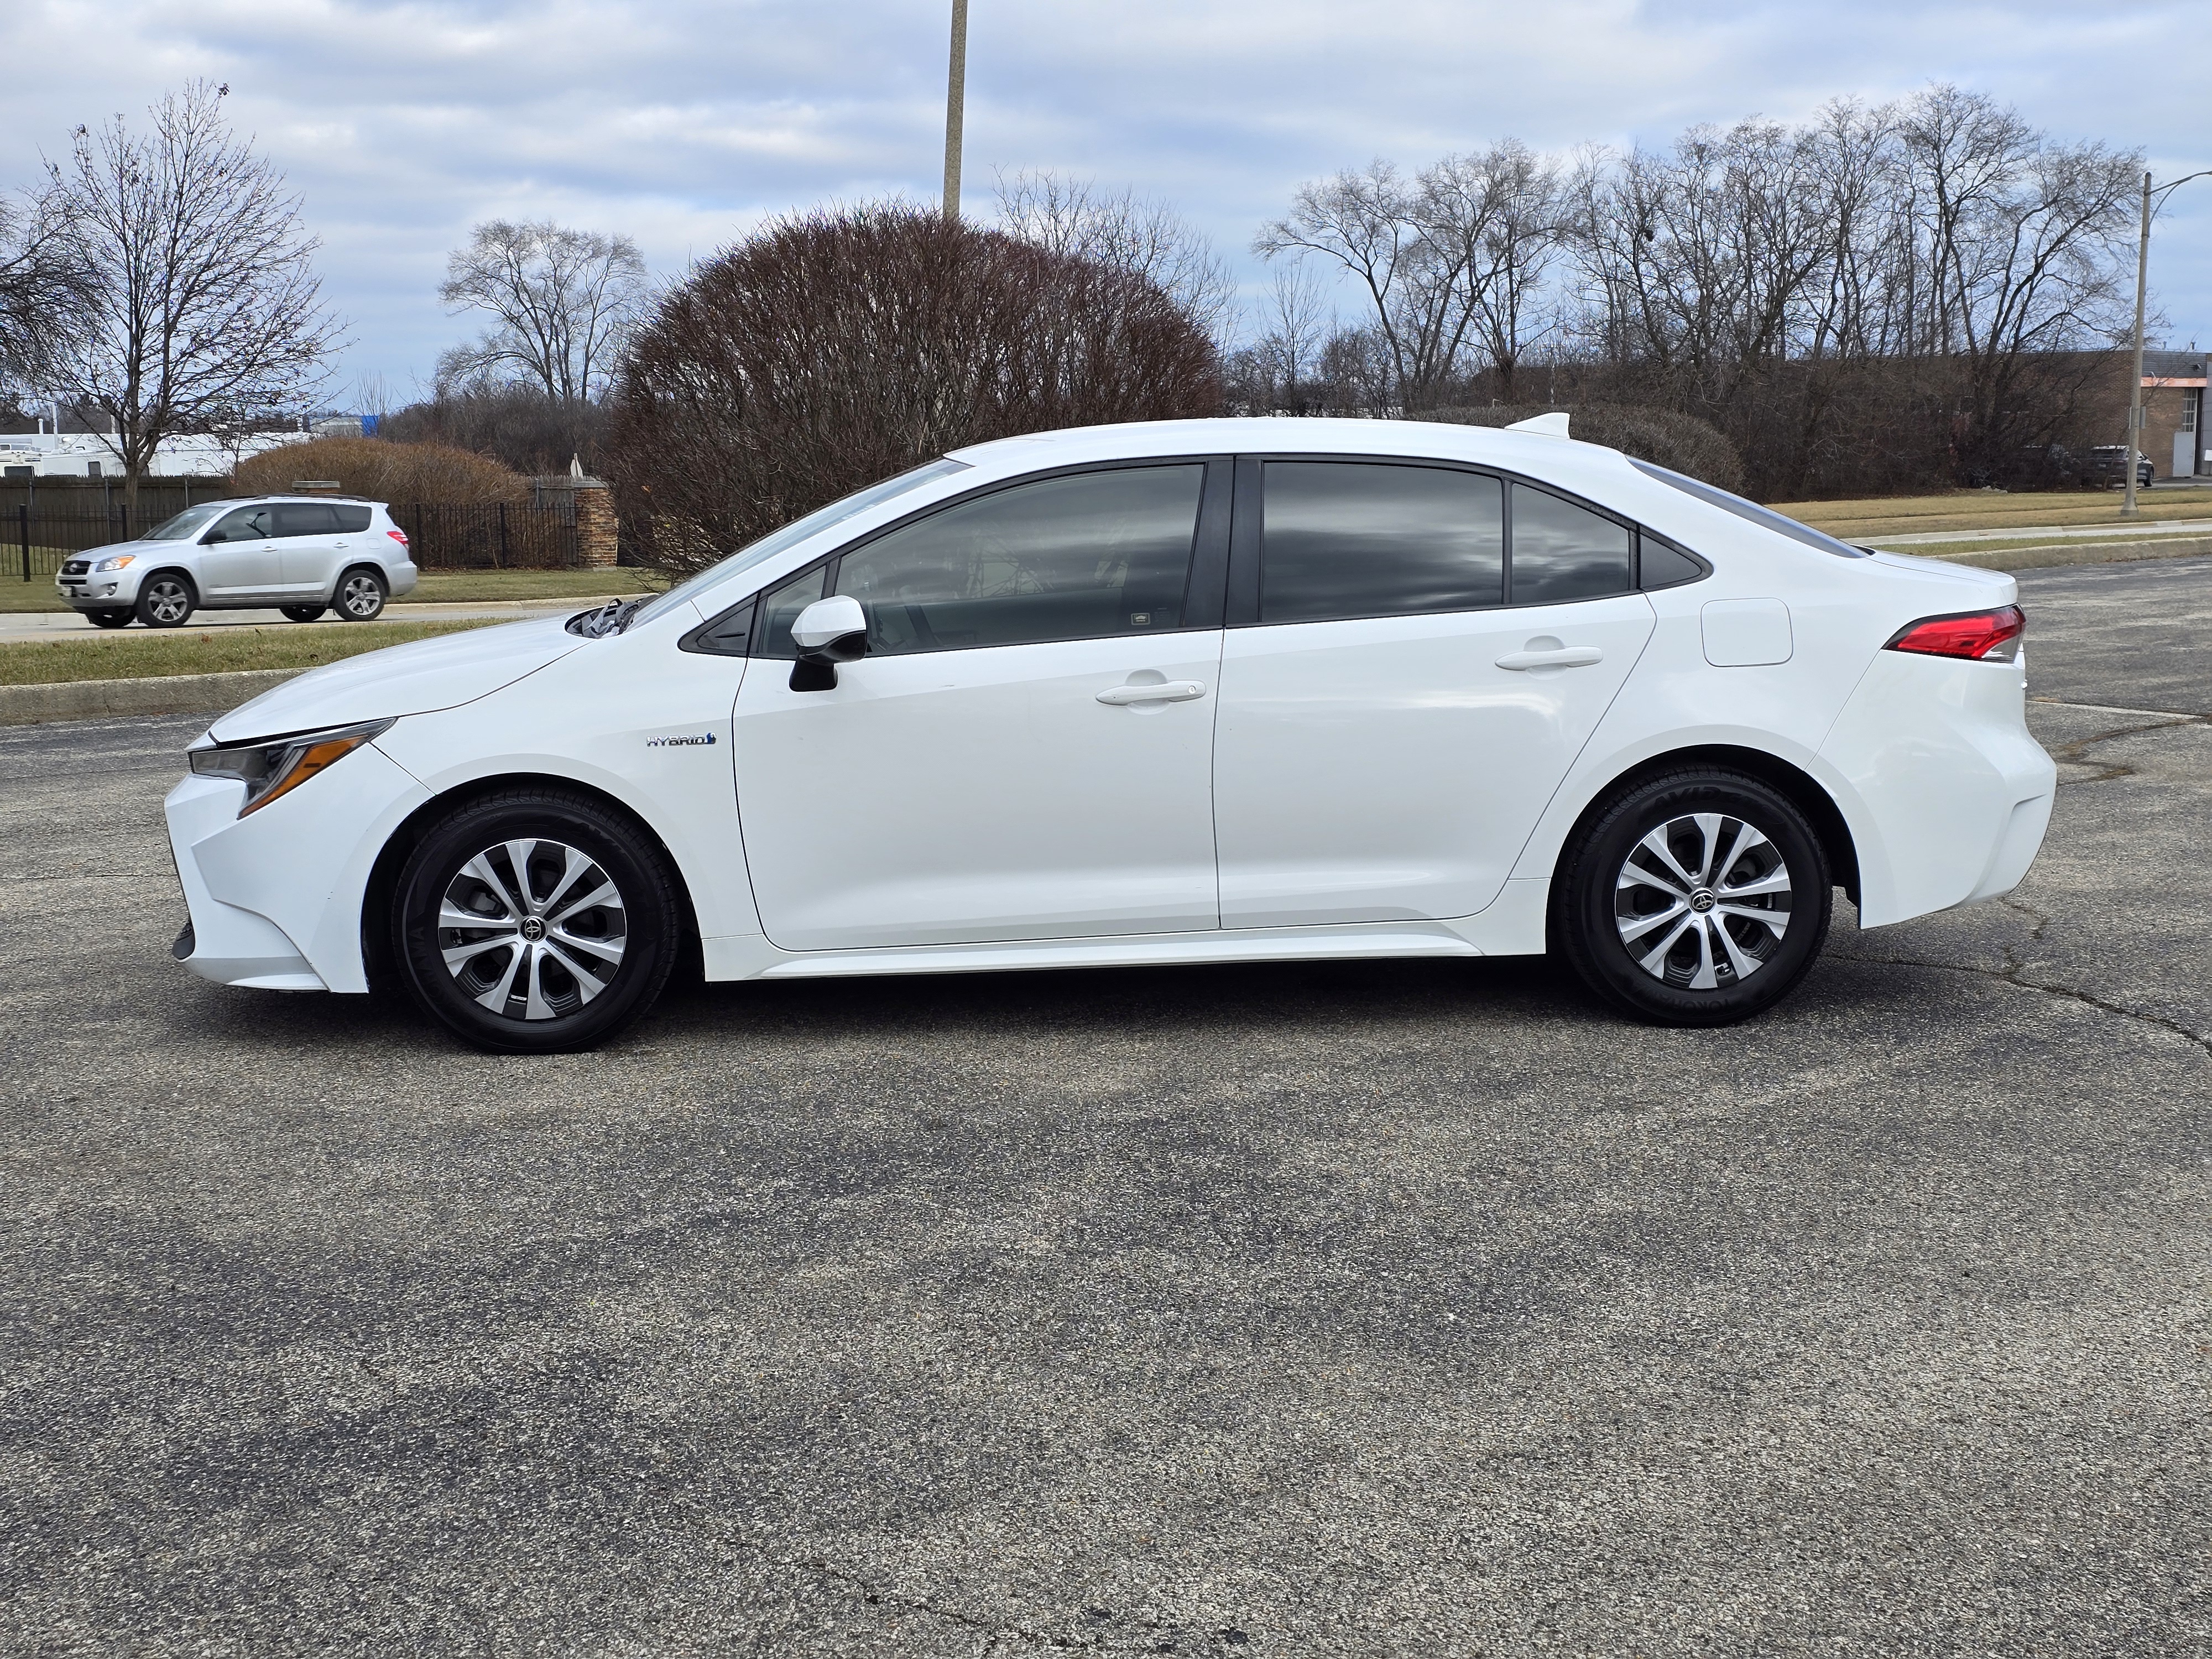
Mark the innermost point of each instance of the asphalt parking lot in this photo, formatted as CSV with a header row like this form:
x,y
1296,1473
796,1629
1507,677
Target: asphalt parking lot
x,y
1405,1309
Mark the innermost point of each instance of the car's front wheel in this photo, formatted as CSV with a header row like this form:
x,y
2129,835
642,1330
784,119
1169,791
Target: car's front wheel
x,y
1699,897
360,595
166,600
536,920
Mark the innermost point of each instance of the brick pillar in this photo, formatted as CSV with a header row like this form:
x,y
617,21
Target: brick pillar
x,y
597,535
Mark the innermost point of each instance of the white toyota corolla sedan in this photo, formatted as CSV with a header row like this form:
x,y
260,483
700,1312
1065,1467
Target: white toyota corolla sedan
x,y
1195,691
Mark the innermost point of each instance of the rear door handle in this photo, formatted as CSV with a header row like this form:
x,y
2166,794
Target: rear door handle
x,y
1572,656
1173,691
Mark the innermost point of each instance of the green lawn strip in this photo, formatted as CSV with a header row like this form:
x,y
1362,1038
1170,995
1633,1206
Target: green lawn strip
x,y
146,656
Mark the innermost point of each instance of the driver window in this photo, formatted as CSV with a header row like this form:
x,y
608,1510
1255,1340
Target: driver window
x,y
247,523
1078,557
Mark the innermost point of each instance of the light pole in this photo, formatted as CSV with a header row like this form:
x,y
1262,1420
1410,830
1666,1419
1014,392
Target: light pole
x,y
2128,509
956,99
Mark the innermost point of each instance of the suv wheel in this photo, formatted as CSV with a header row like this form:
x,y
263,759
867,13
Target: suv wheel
x,y
360,595
536,922
1699,897
166,600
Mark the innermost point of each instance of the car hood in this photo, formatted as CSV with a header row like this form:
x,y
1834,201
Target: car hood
x,y
402,679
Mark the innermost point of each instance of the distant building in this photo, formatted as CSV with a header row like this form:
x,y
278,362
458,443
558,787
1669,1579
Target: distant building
x,y
2173,412
94,455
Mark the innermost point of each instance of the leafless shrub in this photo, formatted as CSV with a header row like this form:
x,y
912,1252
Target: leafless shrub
x,y
833,349
432,474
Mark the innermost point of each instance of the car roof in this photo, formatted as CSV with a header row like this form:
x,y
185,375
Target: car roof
x,y
255,501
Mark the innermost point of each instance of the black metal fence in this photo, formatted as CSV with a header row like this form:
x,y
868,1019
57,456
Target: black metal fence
x,y
497,537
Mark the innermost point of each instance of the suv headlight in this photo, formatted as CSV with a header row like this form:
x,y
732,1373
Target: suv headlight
x,y
120,561
276,766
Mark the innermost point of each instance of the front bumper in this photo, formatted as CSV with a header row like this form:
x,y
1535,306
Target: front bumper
x,y
112,590
276,898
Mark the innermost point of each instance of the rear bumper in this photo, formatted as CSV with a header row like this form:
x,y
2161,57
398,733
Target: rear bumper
x,y
1955,791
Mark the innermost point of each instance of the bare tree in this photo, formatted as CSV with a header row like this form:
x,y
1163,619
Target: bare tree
x,y
1504,211
198,309
1127,233
563,301
41,288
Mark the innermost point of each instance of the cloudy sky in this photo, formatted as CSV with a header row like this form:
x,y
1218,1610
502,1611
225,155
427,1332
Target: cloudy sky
x,y
685,122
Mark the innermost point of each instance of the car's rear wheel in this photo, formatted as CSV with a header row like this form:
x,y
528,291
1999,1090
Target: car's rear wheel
x,y
110,618
303,612
1699,897
360,595
166,600
535,921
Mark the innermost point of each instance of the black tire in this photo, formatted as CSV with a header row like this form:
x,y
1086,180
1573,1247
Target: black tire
x,y
303,612
542,1006
359,595
166,599
110,618
1598,903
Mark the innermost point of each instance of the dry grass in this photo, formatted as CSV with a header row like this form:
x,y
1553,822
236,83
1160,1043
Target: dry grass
x,y
138,656
1992,510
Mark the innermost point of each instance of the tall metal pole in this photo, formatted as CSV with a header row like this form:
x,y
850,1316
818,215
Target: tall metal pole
x,y
2128,509
956,99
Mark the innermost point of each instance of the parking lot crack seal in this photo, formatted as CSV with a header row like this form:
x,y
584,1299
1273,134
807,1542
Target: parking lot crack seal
x,y
995,1633
2012,974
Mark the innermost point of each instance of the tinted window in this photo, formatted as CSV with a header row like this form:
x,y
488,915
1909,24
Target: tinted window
x,y
247,524
305,518
780,608
1665,564
1353,538
352,521
1563,551
1073,558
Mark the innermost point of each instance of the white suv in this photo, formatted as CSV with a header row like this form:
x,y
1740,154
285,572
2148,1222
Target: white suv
x,y
299,555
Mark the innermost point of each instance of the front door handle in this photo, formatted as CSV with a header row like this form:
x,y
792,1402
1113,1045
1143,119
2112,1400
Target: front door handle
x,y
1172,691
1570,656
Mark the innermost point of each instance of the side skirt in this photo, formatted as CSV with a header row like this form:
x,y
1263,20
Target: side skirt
x,y
1513,926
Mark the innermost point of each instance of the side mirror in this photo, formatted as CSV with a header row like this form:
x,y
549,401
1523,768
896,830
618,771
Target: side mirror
x,y
828,632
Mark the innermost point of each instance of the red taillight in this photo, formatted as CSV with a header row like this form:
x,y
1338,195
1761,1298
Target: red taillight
x,y
1976,633
399,536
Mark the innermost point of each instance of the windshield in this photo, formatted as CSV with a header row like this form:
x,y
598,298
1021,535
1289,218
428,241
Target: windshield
x,y
1765,517
778,541
186,524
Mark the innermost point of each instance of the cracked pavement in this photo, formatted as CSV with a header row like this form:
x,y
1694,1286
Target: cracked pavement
x,y
1385,1308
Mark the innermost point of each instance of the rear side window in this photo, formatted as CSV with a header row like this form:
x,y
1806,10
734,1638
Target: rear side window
x,y
352,521
1078,557
1563,551
305,518
1356,539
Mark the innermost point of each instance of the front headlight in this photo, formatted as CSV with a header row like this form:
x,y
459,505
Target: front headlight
x,y
120,561
276,766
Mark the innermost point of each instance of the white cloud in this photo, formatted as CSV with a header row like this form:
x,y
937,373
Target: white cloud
x,y
685,122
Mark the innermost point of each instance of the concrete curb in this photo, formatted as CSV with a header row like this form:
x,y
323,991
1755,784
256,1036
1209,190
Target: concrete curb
x,y
169,694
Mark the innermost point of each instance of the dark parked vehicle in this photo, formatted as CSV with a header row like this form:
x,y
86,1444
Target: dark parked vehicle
x,y
2108,466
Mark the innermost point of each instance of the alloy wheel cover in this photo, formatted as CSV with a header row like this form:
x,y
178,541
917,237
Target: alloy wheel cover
x,y
533,929
1702,903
